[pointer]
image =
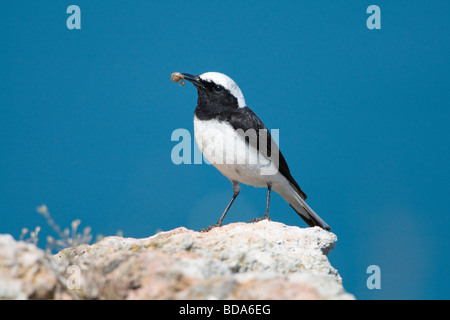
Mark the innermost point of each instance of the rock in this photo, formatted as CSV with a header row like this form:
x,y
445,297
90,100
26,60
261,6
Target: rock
x,y
264,260
26,272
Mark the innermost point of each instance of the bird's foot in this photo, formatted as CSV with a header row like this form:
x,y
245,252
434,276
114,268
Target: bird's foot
x,y
218,224
266,217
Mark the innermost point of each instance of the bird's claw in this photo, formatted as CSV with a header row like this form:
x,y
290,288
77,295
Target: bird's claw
x,y
211,227
266,217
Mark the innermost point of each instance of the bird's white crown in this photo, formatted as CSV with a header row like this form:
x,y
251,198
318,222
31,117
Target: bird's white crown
x,y
226,82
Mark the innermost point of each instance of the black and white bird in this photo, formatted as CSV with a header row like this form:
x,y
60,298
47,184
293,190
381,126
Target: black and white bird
x,y
233,139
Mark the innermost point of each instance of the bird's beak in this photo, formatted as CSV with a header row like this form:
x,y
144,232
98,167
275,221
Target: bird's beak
x,y
195,80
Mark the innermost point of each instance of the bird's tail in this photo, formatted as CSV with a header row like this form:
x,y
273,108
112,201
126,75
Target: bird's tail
x,y
301,207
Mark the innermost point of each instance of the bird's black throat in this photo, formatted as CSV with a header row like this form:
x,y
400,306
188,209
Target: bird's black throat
x,y
212,104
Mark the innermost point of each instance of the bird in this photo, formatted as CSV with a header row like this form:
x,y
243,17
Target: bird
x,y
236,142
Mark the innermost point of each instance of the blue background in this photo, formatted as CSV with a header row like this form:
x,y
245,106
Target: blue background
x,y
87,117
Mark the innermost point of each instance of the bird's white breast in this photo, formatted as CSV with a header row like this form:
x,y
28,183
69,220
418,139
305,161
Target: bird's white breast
x,y
231,155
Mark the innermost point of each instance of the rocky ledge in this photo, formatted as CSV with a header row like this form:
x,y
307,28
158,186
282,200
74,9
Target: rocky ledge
x,y
264,260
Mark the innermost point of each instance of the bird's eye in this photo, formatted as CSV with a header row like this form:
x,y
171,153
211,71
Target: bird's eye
x,y
218,88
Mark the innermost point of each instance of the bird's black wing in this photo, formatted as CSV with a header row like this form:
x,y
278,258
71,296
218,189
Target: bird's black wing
x,y
245,119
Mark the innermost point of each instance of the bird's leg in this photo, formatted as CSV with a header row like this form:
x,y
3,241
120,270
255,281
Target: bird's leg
x,y
266,215
236,190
